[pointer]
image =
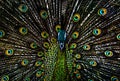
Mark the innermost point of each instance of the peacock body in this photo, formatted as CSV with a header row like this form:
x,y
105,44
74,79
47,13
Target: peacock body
x,y
59,40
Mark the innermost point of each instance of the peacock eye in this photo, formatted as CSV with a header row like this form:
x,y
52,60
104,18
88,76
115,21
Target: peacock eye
x,y
77,56
5,78
78,76
9,52
2,33
114,78
43,14
40,54
108,53
75,35
33,45
78,66
73,45
23,30
76,17
86,47
118,36
39,73
46,44
58,28
24,62
38,63
93,63
27,79
96,32
102,11
23,8
53,40
44,34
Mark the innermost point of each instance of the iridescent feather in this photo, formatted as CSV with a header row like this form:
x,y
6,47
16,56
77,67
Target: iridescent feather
x,y
59,40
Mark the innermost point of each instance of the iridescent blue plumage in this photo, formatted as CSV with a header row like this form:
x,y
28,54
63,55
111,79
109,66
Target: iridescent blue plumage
x,y
61,38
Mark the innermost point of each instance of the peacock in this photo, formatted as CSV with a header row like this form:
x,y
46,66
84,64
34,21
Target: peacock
x,y
60,40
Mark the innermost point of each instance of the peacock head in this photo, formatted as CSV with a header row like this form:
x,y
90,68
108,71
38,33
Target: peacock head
x,y
61,38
